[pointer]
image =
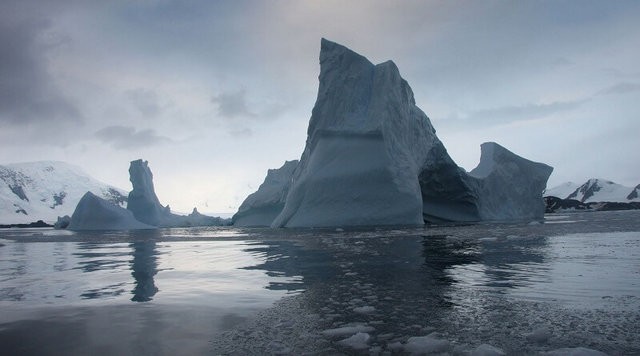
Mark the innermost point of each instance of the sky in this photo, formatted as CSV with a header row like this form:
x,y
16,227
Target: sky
x,y
214,93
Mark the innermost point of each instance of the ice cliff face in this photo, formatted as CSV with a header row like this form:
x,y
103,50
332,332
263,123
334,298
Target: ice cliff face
x,y
372,157
366,144
261,207
94,213
509,187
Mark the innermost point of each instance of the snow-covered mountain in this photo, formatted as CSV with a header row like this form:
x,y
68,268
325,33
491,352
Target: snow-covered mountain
x,y
562,191
45,190
595,190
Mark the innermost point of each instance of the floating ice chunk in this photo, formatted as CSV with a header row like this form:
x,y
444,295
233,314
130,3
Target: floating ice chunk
x,y
419,345
62,222
367,309
540,335
347,330
487,350
574,351
395,346
358,341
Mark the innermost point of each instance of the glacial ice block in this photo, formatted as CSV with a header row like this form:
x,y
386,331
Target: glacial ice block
x,y
372,157
94,213
365,144
503,187
509,186
261,207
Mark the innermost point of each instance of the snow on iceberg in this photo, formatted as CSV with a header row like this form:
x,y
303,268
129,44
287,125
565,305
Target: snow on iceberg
x,y
372,157
95,213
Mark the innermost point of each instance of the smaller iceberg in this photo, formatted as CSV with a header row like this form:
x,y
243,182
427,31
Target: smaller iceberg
x,y
95,213
143,211
261,207
143,201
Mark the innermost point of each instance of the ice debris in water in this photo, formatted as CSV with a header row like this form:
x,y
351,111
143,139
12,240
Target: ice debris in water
x,y
574,351
540,335
357,341
367,309
347,330
426,344
487,350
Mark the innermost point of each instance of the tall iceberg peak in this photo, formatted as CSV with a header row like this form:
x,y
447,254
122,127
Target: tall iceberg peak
x,y
146,207
372,157
142,201
366,144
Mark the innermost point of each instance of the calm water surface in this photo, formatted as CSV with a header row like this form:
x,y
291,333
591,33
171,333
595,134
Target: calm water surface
x,y
573,281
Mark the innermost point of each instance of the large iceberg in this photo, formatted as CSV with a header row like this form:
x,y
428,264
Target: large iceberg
x,y
261,207
95,213
372,157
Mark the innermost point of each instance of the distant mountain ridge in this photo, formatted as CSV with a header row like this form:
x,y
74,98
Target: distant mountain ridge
x,y
44,190
596,190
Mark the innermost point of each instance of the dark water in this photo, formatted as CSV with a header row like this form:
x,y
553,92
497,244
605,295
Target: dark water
x,y
525,289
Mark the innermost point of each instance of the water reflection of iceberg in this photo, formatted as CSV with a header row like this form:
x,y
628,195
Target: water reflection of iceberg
x,y
300,264
143,269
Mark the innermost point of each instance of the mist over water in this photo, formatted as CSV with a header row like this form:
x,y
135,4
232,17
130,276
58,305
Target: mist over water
x,y
573,281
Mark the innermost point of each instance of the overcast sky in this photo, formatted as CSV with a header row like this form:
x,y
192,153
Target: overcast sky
x,y
213,93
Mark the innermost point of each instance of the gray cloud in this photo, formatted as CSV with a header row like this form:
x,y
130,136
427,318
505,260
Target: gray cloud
x,y
524,112
457,56
127,137
241,132
620,88
508,114
232,104
27,91
145,101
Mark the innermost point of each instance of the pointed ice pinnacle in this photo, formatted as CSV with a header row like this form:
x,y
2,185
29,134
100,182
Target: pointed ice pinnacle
x,y
143,202
146,207
372,157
